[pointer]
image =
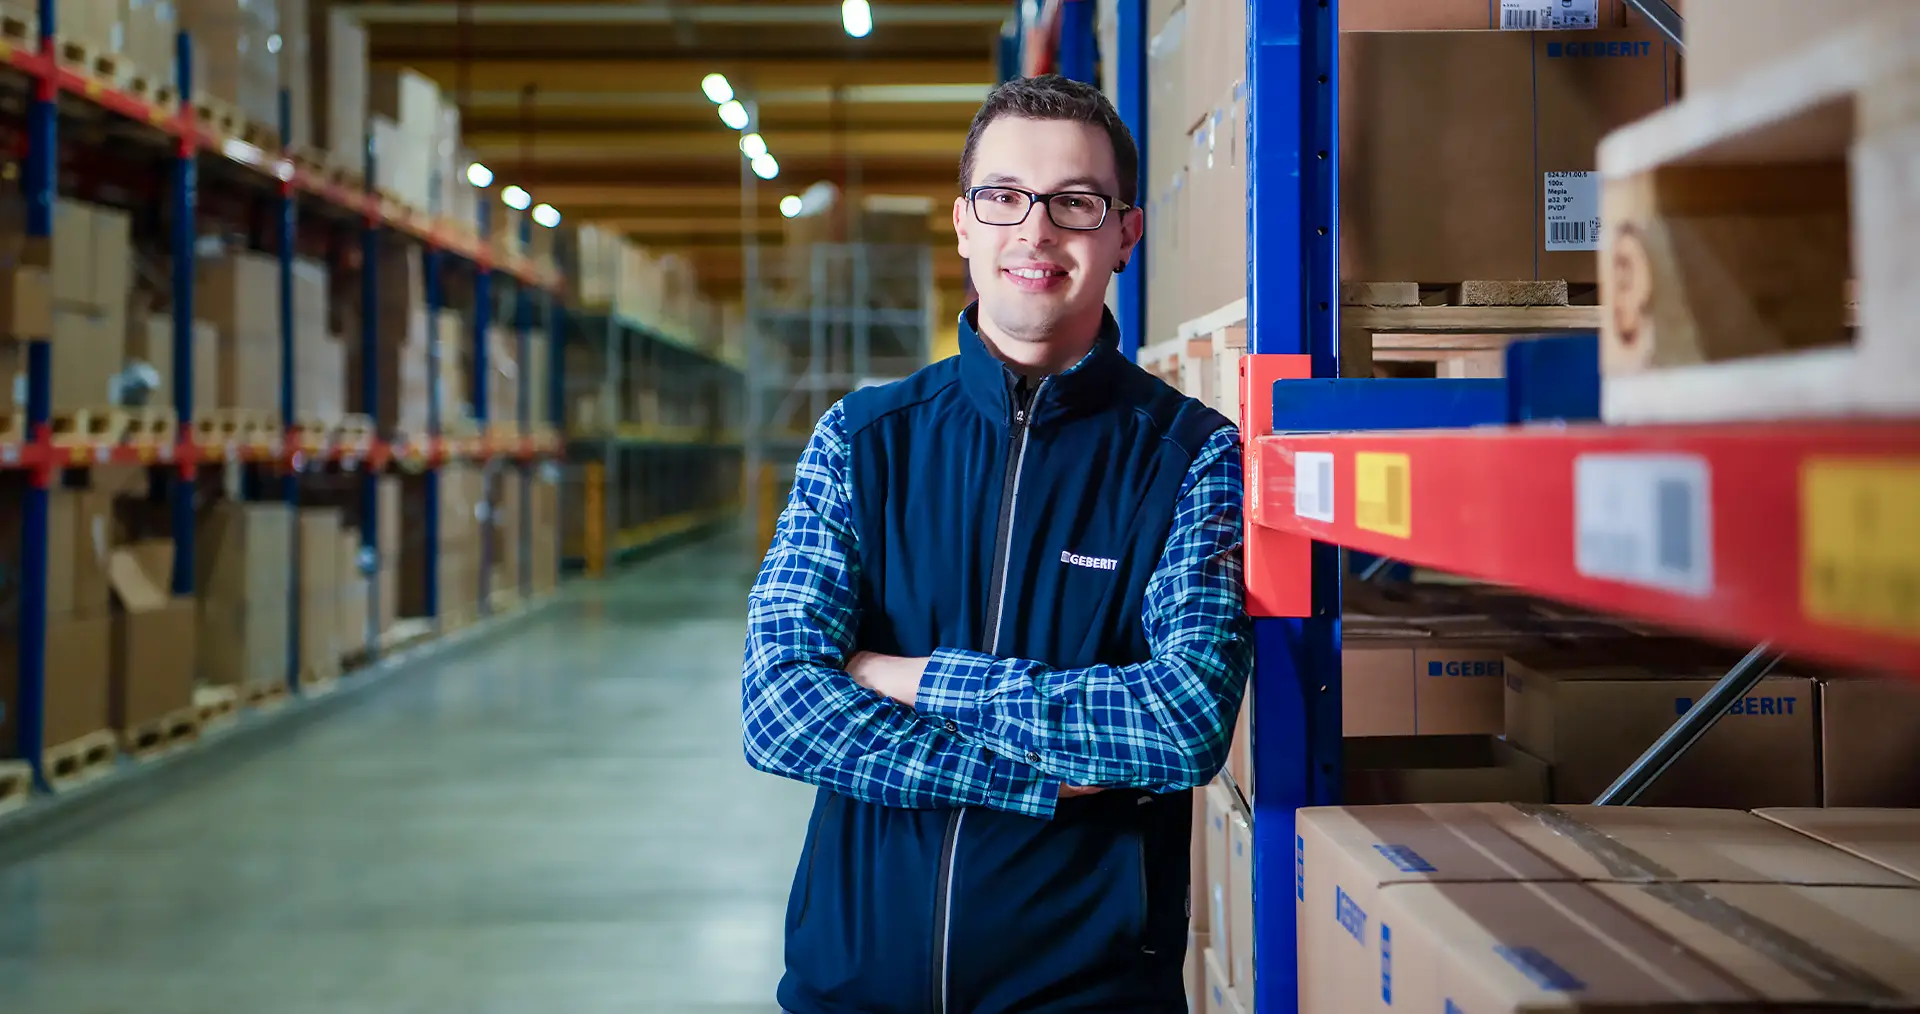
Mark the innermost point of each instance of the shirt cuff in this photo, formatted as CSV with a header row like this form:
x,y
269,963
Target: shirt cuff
x,y
1022,790
952,687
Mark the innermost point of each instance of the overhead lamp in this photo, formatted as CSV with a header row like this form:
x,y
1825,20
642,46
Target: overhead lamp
x,y
479,175
274,43
515,198
733,114
856,16
717,88
753,145
546,216
790,205
765,167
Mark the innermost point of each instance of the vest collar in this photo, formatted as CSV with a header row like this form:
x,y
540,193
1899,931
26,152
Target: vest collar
x,y
1083,387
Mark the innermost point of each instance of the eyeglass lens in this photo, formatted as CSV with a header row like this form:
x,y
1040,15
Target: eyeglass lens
x,y
1004,206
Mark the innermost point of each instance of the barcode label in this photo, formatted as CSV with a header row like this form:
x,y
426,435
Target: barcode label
x,y
1545,15
1644,519
1313,485
1572,210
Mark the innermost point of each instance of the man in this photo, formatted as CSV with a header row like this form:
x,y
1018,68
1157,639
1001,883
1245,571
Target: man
x,y
1001,623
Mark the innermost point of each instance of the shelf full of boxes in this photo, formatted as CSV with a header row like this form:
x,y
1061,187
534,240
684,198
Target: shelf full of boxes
x,y
653,404
1618,382
238,366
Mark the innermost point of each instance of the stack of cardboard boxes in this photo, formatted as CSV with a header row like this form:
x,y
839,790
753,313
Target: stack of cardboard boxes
x,y
611,274
155,649
1452,142
463,506
78,625
404,118
330,99
237,48
321,585
241,577
82,307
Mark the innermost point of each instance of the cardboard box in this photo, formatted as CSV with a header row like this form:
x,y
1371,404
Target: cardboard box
x,y
87,351
1221,807
78,537
320,579
1589,724
1194,974
1239,949
151,341
1441,769
1869,742
1447,140
1217,203
1722,947
244,554
1887,837
154,659
1220,998
1393,684
26,302
337,95
1216,56
1351,860
1199,895
78,659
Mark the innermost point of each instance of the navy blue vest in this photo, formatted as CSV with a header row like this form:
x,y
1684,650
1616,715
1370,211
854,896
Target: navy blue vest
x,y
966,499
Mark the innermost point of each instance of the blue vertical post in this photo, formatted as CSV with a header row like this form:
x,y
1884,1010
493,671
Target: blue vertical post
x,y
1130,64
523,375
1292,204
482,319
432,266
557,325
186,212
290,478
370,562
39,184
1077,41
1011,37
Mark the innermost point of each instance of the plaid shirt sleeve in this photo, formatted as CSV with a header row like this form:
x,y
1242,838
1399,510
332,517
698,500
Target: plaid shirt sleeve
x,y
1165,723
804,717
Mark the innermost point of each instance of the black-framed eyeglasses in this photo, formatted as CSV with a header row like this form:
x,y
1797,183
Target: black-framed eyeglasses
x,y
1079,210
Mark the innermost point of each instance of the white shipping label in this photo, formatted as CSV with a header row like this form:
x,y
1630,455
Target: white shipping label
x,y
1313,485
1573,211
1644,519
1545,15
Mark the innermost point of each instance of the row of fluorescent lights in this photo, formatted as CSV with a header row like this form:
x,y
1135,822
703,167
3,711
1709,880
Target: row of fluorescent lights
x,y
514,196
719,91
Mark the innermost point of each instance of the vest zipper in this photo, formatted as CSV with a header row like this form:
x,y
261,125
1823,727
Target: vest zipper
x,y
997,597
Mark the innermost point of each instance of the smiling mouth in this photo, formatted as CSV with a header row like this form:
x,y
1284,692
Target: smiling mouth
x,y
1035,274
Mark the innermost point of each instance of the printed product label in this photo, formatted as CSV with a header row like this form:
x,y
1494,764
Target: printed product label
x,y
1573,210
1546,15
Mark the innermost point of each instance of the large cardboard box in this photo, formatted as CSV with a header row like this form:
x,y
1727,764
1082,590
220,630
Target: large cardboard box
x,y
1888,837
1718,947
1351,862
1440,769
78,536
1239,950
155,655
1869,742
1589,724
150,340
76,669
244,553
1436,15
320,581
1216,207
1394,684
337,95
1217,832
1455,144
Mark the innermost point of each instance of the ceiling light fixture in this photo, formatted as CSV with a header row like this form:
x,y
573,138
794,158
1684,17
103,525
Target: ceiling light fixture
x,y
765,167
717,88
790,205
479,175
515,198
546,216
753,145
856,16
733,114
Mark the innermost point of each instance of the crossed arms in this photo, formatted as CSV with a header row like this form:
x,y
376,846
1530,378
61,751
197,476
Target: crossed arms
x,y
964,728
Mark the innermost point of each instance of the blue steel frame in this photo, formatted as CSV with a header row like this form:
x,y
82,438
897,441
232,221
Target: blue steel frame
x,y
482,320
432,268
1130,66
1293,308
38,183
370,562
523,380
290,479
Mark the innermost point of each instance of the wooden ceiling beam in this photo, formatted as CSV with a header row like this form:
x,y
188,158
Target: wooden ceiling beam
x,y
716,142
627,74
795,173
579,199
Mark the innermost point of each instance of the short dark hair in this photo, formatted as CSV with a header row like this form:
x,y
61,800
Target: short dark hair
x,y
1052,97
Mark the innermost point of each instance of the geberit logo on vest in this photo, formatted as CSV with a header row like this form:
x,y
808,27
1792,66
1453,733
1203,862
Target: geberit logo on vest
x,y
1089,562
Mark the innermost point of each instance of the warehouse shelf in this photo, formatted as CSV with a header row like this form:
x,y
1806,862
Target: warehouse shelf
x,y
603,316
276,457
660,436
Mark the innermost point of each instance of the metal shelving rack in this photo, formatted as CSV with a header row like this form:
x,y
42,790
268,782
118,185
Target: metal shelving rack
x,y
1514,519
52,82
644,482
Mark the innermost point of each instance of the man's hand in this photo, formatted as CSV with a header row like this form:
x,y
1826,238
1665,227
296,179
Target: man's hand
x,y
1070,791
888,675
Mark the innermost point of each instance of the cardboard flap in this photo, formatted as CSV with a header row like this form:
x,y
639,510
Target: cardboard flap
x,y
137,590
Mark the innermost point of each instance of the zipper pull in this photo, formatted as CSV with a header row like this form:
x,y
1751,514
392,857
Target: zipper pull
x,y
1019,417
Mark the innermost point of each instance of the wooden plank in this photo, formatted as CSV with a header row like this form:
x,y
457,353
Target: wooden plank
x,y
1207,323
1472,319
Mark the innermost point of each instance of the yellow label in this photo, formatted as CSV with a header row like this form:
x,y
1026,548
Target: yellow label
x,y
1383,493
1860,543
93,88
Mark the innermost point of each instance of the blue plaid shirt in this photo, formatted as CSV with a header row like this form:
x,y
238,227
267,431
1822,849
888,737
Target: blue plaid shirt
x,y
1003,733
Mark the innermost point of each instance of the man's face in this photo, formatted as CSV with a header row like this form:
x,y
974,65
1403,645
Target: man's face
x,y
1037,279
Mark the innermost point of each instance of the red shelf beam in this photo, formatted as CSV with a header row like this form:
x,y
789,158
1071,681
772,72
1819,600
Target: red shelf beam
x,y
1803,534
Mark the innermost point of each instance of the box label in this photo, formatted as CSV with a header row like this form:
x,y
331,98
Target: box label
x,y
1313,485
1349,914
1383,493
1545,15
1644,519
1573,210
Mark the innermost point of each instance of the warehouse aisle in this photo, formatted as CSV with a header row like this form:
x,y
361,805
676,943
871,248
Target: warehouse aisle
x,y
557,821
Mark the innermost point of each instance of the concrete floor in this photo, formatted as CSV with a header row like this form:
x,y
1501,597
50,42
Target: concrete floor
x,y
556,821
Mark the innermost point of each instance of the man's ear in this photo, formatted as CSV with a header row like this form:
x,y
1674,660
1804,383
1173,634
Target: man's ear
x,y
961,220
1133,226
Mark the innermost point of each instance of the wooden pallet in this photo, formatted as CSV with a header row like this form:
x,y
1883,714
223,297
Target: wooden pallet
x,y
163,735
264,136
405,634
92,59
264,695
72,427
237,427
1459,329
19,30
16,785
1730,222
156,89
152,426
318,681
217,115
79,761
216,706
353,432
